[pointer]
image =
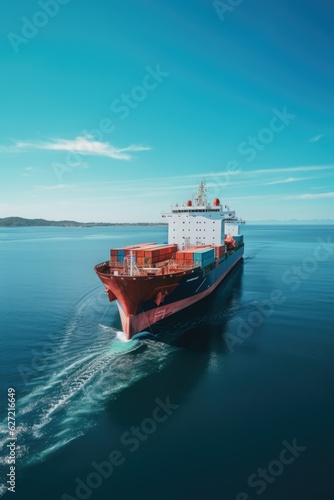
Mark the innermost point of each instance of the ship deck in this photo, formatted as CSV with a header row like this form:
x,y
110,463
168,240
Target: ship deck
x,y
167,268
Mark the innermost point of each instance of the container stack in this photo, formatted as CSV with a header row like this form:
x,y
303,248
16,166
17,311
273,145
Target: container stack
x,y
219,251
115,258
203,257
147,254
117,255
185,257
138,247
151,255
196,256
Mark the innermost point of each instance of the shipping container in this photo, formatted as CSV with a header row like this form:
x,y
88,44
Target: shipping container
x,y
126,250
204,257
219,251
159,253
205,253
185,256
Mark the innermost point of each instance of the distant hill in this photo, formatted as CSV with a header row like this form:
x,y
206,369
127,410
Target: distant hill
x,y
21,222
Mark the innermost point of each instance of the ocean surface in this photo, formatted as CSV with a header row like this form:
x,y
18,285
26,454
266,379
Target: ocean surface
x,y
231,398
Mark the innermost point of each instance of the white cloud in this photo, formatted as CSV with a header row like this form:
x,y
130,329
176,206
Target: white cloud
x,y
80,145
8,149
316,138
310,196
291,169
27,171
54,187
289,179
241,172
256,197
211,177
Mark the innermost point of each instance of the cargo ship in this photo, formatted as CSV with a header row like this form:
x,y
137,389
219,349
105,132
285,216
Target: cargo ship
x,y
151,281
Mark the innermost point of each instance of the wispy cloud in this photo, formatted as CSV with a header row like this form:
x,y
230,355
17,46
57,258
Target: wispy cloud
x,y
9,149
284,181
306,168
162,186
310,196
245,173
213,177
80,145
28,172
55,187
316,138
287,181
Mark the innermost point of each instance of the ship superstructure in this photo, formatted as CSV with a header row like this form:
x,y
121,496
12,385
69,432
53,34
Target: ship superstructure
x,y
150,281
199,223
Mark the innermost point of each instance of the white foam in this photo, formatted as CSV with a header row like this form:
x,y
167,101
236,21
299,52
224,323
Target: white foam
x,y
106,327
121,336
92,366
39,457
75,383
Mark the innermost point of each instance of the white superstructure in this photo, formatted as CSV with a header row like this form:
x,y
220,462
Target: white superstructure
x,y
199,223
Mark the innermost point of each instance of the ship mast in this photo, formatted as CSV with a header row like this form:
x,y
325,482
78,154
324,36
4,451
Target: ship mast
x,y
201,194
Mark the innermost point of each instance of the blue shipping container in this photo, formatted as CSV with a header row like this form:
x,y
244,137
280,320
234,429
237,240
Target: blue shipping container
x,y
205,253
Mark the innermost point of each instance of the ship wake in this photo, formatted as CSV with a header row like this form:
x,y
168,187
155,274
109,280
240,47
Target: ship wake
x,y
90,365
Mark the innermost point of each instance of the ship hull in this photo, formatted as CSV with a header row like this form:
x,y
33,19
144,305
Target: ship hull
x,y
144,303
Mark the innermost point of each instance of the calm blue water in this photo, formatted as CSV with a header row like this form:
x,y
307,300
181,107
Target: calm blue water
x,y
249,372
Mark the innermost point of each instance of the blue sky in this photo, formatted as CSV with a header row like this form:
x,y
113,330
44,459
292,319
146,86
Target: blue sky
x,y
112,110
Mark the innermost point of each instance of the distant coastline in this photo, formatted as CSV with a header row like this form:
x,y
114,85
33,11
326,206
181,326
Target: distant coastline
x,y
22,222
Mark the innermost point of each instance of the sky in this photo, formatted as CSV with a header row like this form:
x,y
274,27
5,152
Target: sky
x,y
112,111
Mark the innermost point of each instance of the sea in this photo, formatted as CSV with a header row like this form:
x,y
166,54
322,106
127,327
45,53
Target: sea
x,y
231,398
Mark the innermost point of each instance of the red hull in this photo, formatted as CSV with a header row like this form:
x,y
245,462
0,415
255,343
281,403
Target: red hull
x,y
133,291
